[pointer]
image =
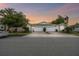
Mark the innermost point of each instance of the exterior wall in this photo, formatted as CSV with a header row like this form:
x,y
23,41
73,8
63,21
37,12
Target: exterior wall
x,y
62,27
49,28
30,27
19,29
76,30
37,28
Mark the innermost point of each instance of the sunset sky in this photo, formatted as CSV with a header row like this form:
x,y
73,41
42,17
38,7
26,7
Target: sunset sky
x,y
46,11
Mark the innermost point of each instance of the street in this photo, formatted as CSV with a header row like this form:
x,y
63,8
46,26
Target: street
x,y
39,46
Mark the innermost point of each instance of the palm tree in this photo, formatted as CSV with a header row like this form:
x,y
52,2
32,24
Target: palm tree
x,y
66,20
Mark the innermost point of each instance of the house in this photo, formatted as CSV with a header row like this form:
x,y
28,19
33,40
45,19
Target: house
x,y
76,28
40,27
47,26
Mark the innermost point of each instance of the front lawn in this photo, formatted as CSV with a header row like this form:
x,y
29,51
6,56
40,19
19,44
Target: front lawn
x,y
19,34
75,33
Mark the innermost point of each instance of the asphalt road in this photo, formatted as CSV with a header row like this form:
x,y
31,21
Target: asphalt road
x,y
40,46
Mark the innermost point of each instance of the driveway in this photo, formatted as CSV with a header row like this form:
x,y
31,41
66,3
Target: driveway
x,y
51,34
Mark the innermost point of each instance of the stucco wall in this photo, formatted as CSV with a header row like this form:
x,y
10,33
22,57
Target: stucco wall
x,y
48,28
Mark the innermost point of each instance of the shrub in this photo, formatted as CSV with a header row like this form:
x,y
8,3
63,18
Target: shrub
x,y
68,30
26,29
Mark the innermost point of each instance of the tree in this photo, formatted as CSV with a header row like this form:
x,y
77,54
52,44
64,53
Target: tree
x,y
59,21
68,29
19,20
12,18
66,20
7,14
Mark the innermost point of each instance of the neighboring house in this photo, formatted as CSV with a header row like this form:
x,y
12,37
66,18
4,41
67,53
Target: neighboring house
x,y
76,28
49,27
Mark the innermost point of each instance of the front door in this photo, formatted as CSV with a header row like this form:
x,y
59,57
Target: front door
x,y
44,29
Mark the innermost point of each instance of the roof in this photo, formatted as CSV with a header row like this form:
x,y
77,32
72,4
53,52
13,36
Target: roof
x,y
43,24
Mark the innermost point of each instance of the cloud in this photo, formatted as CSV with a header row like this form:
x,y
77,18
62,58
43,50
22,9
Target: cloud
x,y
66,9
37,19
72,10
2,5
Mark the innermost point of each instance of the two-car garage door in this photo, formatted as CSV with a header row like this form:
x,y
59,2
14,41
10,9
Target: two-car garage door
x,y
40,29
37,29
50,29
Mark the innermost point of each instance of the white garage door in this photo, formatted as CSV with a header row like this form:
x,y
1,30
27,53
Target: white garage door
x,y
49,29
37,29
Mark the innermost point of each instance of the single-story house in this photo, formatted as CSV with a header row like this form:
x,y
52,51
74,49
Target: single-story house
x,y
44,25
40,27
76,28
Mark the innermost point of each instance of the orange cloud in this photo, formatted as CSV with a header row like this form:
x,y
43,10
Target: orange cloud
x,y
35,17
66,9
2,5
73,21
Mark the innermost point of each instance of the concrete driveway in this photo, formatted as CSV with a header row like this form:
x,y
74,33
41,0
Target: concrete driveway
x,y
51,34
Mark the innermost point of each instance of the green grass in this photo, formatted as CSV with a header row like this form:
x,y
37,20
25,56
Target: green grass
x,y
18,34
74,33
